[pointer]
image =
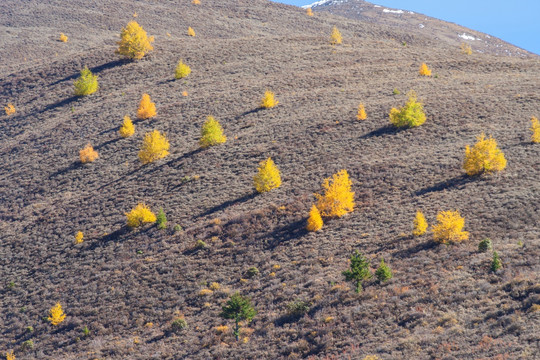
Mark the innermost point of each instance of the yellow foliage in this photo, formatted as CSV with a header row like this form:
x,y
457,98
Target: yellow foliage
x,y
309,12
205,292
10,356
88,154
466,49
79,237
56,314
535,128
449,227
63,38
134,43
140,215
214,286
182,70
268,177
483,157
10,109
315,222
127,129
420,224
147,108
410,115
372,357
87,83
184,93
338,198
154,147
328,319
211,133
269,100
196,2
361,112
424,70
222,329
190,31
335,37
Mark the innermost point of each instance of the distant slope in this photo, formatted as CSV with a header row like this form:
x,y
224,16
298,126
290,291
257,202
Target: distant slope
x,y
411,23
128,286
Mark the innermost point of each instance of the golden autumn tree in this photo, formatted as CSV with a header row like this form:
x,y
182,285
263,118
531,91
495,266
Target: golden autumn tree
x,y
361,115
267,177
10,109
182,70
147,108
338,199
449,228
335,37
190,31
309,12
134,42
484,157
411,115
211,133
88,154
79,237
63,38
314,222
87,83
269,100
127,129
424,70
420,224
56,315
140,215
154,147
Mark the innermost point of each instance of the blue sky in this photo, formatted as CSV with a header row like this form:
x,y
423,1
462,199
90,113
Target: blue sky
x,y
516,21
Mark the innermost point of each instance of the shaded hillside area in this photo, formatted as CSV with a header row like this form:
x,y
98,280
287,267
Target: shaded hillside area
x,y
128,286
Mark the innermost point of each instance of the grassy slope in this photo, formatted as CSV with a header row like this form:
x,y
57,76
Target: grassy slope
x,y
118,281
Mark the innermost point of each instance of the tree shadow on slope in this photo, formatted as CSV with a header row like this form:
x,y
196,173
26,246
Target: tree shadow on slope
x,y
74,166
406,253
230,203
385,130
252,111
95,70
447,184
59,104
287,233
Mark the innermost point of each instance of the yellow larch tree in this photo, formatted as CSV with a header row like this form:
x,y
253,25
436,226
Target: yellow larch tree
x,y
420,224
335,37
361,115
314,222
449,228
147,108
484,157
134,42
535,128
338,199
267,177
154,147
139,215
127,129
269,100
56,315
424,70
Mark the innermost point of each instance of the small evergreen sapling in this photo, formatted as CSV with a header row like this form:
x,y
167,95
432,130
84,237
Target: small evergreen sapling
x,y
496,263
485,245
238,308
383,273
161,219
359,270
267,177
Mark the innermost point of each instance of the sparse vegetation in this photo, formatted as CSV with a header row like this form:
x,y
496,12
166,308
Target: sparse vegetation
x,y
9,109
211,133
88,154
140,215
269,100
466,49
267,177
496,263
420,224
535,128
87,83
361,115
127,129
147,108
10,355
298,308
252,272
411,115
359,270
484,157
154,147
63,38
424,70
134,43
449,228
178,325
485,245
79,237
161,219
238,308
314,222
56,315
338,199
335,37
383,272
182,70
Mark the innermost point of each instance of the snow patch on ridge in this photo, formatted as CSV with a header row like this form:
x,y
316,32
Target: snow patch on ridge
x,y
317,3
466,37
393,11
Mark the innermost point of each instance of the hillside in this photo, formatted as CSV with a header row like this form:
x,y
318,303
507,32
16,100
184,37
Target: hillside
x,y
127,286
